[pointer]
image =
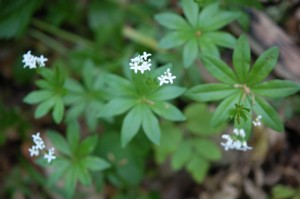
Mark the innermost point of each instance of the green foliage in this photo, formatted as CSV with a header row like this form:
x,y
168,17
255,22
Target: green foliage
x,y
141,98
285,192
199,32
127,164
76,162
86,99
193,151
15,17
50,95
243,87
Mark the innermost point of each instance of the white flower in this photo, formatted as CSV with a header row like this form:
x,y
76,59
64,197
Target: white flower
x,y
227,145
33,151
50,155
140,63
236,141
257,121
40,145
166,78
32,61
29,60
41,60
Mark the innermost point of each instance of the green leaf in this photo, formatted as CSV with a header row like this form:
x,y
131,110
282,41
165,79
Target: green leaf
x,y
43,84
118,86
73,85
44,107
246,125
150,125
263,66
207,13
70,180
169,141
59,142
276,88
221,19
172,21
190,52
167,93
116,107
174,39
131,124
60,166
58,110
207,149
283,192
269,115
210,92
37,96
220,38
181,156
190,10
208,47
88,145
198,167
167,111
83,174
199,119
242,58
73,135
95,163
220,70
221,114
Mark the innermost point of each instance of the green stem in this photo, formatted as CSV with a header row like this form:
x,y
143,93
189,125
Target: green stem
x,y
52,43
138,37
62,34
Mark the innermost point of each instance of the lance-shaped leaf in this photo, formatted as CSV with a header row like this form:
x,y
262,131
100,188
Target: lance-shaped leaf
x,y
151,125
116,107
211,151
221,114
263,66
190,10
276,88
167,93
182,155
198,167
131,124
207,47
174,39
167,111
219,69
242,58
206,14
221,19
220,38
210,92
269,115
190,52
37,96
172,21
118,86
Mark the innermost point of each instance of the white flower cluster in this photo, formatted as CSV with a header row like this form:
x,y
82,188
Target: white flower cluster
x,y
142,63
166,78
236,141
257,121
39,146
32,61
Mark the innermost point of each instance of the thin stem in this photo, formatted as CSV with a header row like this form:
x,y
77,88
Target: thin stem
x,y
52,43
62,34
138,37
